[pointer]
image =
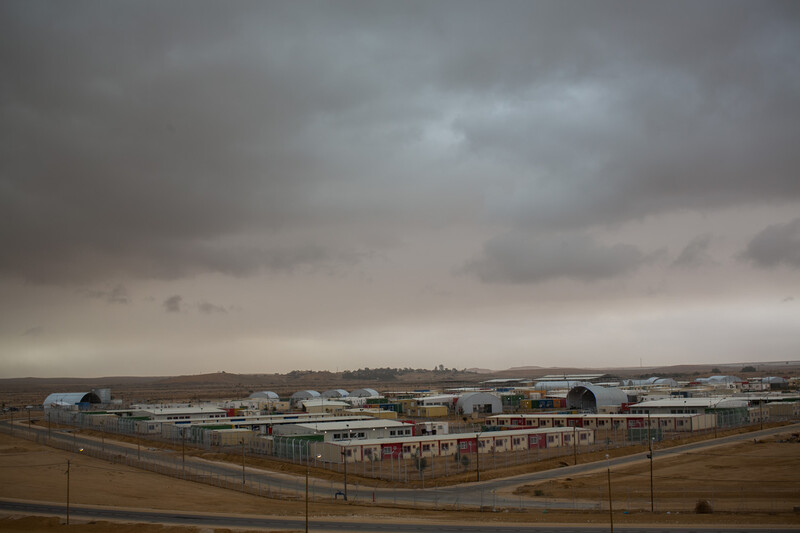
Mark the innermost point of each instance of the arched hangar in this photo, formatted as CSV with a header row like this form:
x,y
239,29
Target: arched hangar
x,y
591,397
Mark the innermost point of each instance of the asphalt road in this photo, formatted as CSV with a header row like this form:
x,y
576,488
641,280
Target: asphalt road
x,y
256,522
493,493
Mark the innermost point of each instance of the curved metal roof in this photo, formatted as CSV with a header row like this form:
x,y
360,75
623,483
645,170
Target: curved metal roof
x,y
60,399
467,401
561,384
592,396
265,394
335,393
305,395
364,393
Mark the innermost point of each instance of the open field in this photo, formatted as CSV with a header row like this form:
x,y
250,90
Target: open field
x,y
758,475
35,472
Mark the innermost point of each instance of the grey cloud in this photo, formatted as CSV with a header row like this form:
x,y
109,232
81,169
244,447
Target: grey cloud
x,y
144,138
695,254
118,295
173,304
210,309
115,295
520,258
35,331
775,245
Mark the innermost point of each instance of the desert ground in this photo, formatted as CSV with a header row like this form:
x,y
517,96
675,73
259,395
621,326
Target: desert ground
x,y
36,472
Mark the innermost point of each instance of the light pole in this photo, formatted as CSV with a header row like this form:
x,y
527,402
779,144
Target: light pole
x,y
478,457
344,460
575,443
716,415
610,510
652,499
308,466
650,456
183,452
67,472
243,471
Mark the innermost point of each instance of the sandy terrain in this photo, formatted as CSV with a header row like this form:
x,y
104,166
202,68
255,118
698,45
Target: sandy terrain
x,y
752,476
35,472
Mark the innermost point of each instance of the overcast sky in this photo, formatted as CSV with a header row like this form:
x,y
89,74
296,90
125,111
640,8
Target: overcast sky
x,y
190,187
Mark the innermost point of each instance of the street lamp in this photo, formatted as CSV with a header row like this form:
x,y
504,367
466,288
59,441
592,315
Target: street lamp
x,y
344,460
243,471
478,456
183,452
308,466
610,510
67,472
575,442
650,456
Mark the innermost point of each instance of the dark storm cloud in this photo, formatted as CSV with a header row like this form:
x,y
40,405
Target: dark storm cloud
x,y
776,245
520,258
695,253
173,304
161,140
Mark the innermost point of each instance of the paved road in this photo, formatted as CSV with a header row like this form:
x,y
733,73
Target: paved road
x,y
493,493
399,525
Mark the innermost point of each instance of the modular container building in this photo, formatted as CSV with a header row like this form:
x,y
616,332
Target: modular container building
x,y
445,445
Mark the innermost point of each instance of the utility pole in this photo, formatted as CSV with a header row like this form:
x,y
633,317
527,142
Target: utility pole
x,y
477,458
243,474
308,466
67,491
575,443
652,493
183,452
610,510
344,461
650,456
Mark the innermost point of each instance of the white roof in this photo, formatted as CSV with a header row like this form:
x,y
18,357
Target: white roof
x,y
459,436
437,398
593,415
324,401
68,398
710,403
354,424
180,410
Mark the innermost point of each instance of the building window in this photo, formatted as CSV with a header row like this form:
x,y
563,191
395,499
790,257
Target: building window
x,y
426,447
406,449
